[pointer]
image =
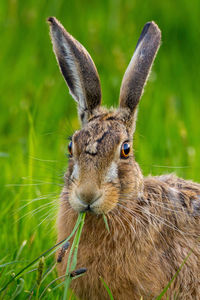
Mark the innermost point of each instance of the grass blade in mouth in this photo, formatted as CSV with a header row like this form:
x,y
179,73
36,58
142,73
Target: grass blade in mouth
x,y
106,222
72,259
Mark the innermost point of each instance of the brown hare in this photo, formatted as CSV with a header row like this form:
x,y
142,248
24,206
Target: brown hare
x,y
154,221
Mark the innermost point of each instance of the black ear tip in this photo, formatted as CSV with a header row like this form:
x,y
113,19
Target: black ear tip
x,y
150,29
145,29
51,20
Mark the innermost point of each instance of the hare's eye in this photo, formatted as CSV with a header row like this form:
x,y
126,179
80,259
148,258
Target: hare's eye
x,y
70,148
125,150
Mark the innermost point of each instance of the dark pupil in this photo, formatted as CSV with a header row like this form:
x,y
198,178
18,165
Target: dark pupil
x,y
70,147
126,148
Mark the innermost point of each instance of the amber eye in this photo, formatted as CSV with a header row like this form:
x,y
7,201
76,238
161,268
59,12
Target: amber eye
x,y
125,150
70,148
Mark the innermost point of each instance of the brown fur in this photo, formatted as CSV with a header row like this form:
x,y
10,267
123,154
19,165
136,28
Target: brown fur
x,y
154,222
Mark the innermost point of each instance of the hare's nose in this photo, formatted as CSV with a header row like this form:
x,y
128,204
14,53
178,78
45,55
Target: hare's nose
x,y
88,193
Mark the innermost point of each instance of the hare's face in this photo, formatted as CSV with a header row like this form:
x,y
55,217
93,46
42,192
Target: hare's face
x,y
99,166
102,171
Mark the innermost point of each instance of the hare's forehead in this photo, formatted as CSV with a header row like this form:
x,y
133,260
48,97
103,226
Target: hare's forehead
x,y
102,133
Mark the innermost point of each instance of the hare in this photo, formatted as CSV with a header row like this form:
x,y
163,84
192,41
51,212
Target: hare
x,y
154,221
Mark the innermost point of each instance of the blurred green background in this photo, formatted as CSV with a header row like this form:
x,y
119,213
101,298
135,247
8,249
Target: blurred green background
x,y
37,113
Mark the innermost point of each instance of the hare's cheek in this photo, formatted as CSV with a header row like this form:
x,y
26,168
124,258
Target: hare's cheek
x,y
112,173
108,201
74,202
75,172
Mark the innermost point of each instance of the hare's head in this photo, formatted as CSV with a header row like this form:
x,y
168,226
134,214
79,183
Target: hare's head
x,y
102,169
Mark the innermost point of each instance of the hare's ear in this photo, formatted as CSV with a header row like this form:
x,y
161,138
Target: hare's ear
x,y
77,68
138,70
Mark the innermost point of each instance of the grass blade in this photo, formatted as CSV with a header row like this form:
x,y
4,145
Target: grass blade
x,y
74,252
107,288
173,278
18,289
106,222
43,254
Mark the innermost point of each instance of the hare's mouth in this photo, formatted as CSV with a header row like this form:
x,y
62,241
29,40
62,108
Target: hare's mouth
x,y
95,201
94,206
90,209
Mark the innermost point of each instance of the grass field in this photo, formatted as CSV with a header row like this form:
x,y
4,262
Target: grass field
x,y
37,113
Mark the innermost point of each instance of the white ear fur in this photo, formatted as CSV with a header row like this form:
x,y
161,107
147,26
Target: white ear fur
x,y
77,68
78,90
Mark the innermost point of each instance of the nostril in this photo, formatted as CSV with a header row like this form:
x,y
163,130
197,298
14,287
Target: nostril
x,y
96,198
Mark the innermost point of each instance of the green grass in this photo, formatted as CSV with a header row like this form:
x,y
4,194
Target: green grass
x,y
37,113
